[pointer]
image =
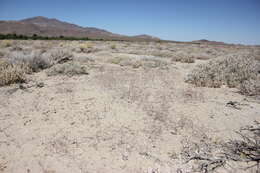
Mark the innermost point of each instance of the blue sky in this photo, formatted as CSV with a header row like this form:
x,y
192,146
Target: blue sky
x,y
232,21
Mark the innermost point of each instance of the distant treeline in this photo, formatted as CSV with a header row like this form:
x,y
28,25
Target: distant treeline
x,y
38,37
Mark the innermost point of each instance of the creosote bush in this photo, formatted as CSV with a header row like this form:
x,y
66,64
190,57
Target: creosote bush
x,y
232,71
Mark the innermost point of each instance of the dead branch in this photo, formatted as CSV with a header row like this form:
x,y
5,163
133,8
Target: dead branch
x,y
245,149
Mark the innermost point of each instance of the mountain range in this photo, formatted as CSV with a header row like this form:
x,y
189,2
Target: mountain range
x,y
44,26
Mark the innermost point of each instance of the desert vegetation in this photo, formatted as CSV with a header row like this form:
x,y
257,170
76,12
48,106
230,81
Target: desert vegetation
x,y
214,155
239,71
103,106
67,69
12,73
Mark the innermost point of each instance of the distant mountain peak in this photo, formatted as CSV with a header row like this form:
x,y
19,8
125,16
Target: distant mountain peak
x,y
42,21
37,18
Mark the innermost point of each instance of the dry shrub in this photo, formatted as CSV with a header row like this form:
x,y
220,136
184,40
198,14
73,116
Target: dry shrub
x,y
146,62
257,57
58,55
151,62
164,54
86,47
69,69
204,152
2,54
247,147
37,61
183,58
256,53
34,60
231,71
124,61
116,60
251,87
134,63
6,43
202,56
113,46
12,73
85,60
210,156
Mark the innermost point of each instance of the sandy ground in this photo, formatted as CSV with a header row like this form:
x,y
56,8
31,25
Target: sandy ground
x,y
116,119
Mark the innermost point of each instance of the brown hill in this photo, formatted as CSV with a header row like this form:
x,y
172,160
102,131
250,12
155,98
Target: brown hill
x,y
54,28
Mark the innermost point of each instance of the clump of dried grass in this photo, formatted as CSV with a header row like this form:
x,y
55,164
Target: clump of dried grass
x,y
232,71
86,47
12,73
6,43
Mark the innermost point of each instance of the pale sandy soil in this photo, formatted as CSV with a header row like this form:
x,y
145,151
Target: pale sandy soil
x,y
116,119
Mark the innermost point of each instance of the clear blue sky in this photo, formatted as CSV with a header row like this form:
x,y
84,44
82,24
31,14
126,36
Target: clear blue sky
x,y
232,21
